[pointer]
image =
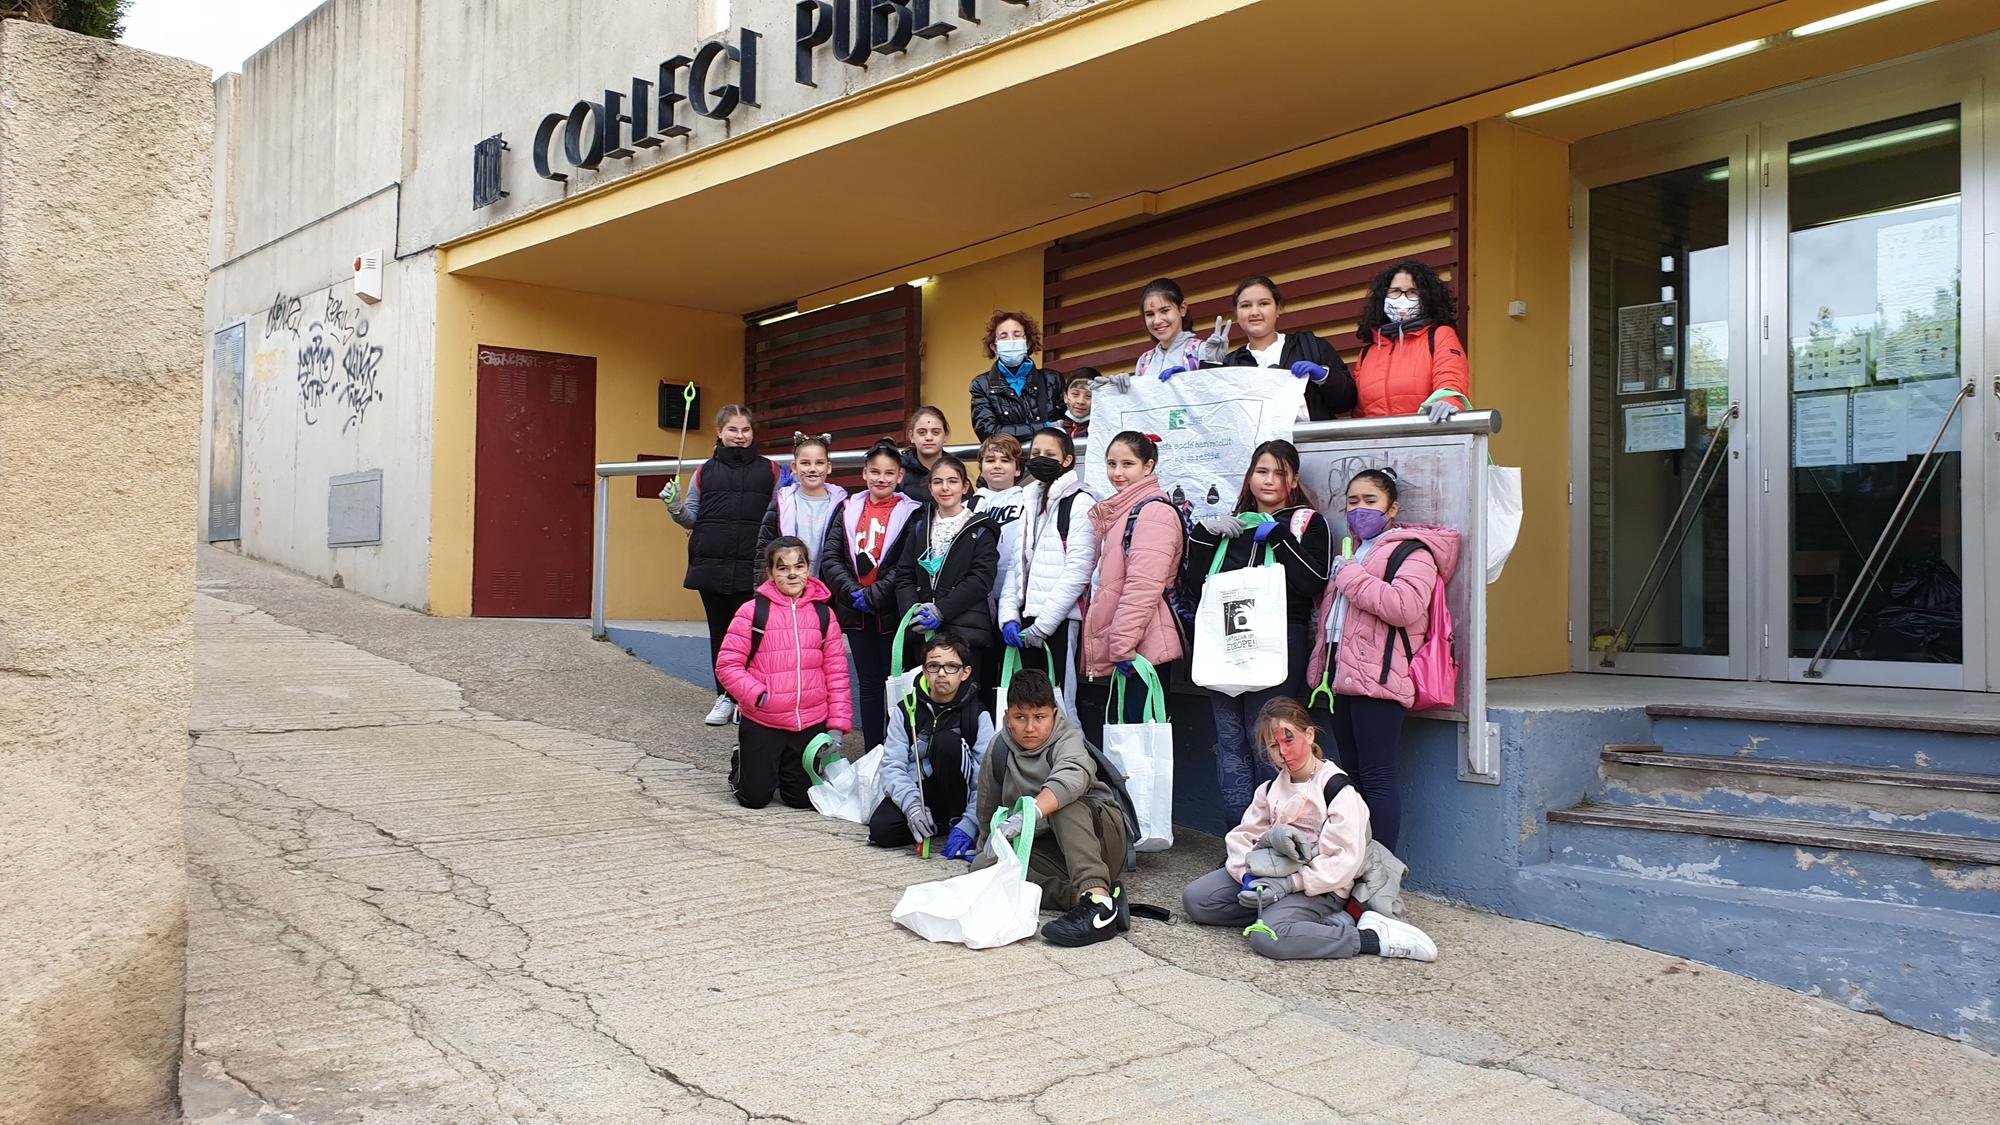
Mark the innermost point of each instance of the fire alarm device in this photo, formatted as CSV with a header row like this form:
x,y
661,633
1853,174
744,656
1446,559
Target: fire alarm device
x,y
368,276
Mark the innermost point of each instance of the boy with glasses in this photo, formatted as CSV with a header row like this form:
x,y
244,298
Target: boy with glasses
x,y
931,755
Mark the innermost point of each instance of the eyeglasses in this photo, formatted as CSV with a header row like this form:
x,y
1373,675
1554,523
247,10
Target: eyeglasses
x,y
943,669
1401,293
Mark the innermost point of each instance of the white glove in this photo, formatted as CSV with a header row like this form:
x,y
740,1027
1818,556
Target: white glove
x,y
1215,349
1121,382
1222,527
1441,410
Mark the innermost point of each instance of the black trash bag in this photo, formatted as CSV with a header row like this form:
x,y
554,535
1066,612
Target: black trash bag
x,y
1923,619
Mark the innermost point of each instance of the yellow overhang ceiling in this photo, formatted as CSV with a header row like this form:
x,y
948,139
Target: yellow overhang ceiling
x,y
1116,101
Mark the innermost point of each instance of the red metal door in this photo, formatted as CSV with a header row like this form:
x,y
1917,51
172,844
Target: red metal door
x,y
536,454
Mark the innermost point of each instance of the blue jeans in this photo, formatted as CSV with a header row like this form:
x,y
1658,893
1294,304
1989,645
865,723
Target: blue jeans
x,y
1240,762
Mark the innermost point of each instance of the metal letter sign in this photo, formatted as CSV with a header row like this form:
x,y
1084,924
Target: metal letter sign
x,y
486,171
618,126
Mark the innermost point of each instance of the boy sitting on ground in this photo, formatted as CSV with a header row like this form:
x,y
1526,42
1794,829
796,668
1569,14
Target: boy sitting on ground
x,y
1079,847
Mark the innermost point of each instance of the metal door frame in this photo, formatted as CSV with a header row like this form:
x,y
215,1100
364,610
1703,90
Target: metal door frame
x,y
1616,160
1845,104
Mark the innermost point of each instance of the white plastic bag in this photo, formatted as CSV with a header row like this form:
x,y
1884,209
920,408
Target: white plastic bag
x,y
1503,517
847,790
982,909
1144,753
1240,635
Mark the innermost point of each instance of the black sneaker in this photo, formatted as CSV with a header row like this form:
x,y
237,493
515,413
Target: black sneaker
x,y
1093,920
1124,906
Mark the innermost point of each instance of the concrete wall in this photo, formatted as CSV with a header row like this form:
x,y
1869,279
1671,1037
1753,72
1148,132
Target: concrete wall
x,y
100,360
352,133
333,385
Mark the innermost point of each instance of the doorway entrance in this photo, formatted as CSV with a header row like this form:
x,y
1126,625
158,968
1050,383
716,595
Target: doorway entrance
x,y
534,467
1786,446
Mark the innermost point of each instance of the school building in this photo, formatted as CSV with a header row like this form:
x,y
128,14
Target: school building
x,y
1729,269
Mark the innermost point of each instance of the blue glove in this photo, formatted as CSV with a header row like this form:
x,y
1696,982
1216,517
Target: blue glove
x,y
1170,372
1265,530
958,845
1441,409
1010,631
927,617
1126,667
785,475
1307,369
860,600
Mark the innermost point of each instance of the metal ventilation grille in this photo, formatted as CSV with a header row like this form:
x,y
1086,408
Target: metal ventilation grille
x,y
849,370
1322,237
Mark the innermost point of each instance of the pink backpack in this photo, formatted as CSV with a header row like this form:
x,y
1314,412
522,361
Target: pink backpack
x,y
1434,667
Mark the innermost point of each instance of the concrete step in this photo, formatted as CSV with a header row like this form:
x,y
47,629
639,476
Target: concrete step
x,y
1824,861
1952,744
1934,969
1916,800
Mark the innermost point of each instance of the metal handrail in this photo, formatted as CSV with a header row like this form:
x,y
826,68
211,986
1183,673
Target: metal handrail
x,y
1892,532
1402,425
1649,588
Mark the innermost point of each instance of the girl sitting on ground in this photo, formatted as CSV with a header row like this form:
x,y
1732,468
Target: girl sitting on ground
x,y
784,662
1293,861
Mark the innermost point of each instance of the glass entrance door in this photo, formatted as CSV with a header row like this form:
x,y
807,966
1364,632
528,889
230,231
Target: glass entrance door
x,y
1864,403
1664,306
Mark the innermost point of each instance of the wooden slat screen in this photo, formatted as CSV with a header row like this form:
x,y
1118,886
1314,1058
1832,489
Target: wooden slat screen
x,y
848,369
1322,237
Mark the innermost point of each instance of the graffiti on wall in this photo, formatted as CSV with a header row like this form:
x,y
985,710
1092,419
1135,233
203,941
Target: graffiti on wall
x,y
336,362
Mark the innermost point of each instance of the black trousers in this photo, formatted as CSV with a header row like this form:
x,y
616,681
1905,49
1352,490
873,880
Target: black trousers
x,y
944,794
720,609
1369,733
871,665
769,761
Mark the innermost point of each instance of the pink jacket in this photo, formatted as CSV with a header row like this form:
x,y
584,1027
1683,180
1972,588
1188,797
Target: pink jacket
x,y
1128,611
1342,829
798,679
1375,606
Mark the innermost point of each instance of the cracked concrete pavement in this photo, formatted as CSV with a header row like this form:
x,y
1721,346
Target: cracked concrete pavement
x,y
449,870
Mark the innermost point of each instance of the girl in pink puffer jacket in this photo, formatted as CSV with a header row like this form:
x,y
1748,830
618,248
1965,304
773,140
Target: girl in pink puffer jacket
x,y
1369,677
791,687
1128,614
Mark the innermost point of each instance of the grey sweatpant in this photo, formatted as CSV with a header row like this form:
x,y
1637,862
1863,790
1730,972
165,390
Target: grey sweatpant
x,y
1308,926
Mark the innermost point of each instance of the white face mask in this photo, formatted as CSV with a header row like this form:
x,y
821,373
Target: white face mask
x,y
1400,308
1011,352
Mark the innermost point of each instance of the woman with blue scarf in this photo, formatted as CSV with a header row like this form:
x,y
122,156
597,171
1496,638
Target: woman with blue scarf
x,y
1014,397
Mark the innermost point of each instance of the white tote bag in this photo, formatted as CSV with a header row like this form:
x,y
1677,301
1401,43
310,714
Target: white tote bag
x,y
1144,753
982,909
1503,517
1240,635
846,790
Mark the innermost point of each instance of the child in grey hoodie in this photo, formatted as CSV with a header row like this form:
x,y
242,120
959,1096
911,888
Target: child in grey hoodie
x,y
1079,847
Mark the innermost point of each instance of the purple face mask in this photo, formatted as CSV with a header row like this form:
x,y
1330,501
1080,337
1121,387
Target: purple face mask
x,y
1367,522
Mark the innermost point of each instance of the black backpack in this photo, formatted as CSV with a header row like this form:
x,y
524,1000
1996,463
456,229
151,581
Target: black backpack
x,y
760,618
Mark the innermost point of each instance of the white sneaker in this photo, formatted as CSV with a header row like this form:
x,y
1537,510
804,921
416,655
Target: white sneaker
x,y
723,711
1399,939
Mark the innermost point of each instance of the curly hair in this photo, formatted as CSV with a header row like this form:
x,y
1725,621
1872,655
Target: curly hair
x,y
1002,316
1434,296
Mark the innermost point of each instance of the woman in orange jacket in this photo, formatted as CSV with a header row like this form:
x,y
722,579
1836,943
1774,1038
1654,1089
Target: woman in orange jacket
x,y
1412,360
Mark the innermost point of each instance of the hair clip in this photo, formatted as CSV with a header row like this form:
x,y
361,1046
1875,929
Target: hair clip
x,y
799,439
1155,438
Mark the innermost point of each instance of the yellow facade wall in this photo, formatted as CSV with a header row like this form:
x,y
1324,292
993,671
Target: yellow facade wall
x,y
1520,244
956,306
636,345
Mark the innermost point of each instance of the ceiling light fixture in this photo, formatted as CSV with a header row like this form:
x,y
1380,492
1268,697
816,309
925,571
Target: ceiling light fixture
x,y
1081,195
1654,75
1816,27
1858,15
918,282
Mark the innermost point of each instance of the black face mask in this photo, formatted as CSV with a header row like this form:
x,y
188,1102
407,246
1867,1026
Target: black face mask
x,y
1045,468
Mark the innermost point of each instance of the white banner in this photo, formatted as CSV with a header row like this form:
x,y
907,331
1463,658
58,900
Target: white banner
x,y
1208,423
